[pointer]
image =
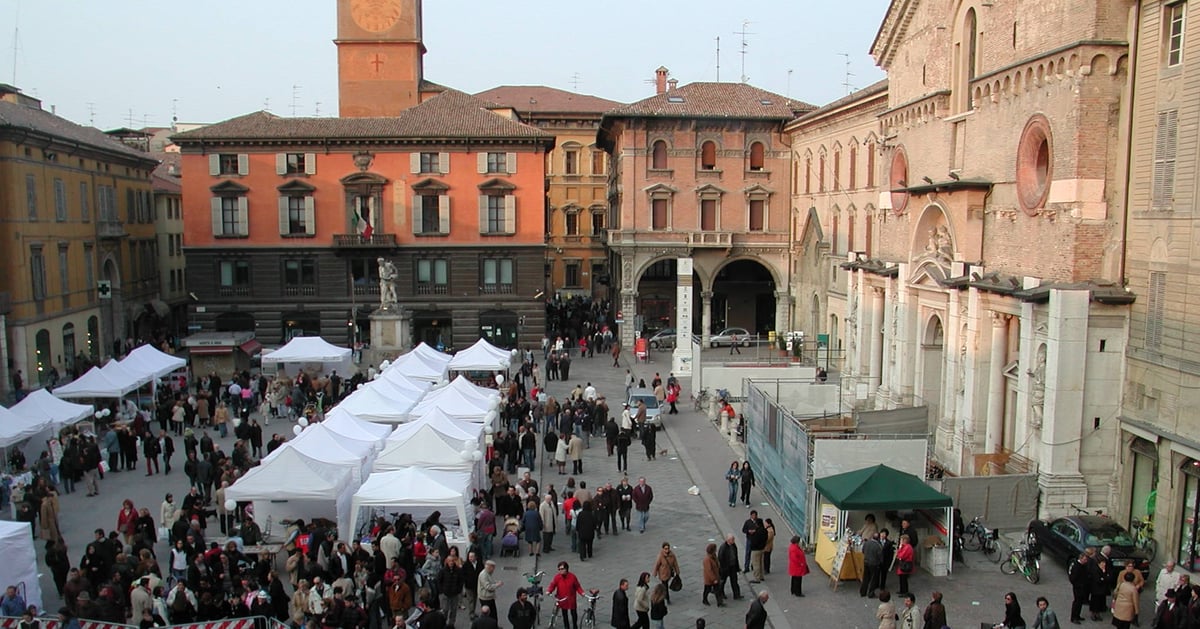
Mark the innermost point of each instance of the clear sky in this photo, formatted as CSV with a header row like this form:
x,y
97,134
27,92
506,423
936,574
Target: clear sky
x,y
215,59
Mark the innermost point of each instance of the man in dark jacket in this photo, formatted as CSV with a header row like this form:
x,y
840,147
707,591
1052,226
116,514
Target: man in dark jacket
x,y
749,528
167,445
521,615
1079,574
888,551
756,616
585,530
872,552
727,559
620,606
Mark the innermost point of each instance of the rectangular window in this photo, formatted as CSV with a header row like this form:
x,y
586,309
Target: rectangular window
x,y
31,196
708,215
870,165
853,168
1174,37
227,164
429,163
89,269
658,214
808,175
571,278
130,206
597,223
497,275
60,200
430,214
837,171
299,273
598,163
572,219
433,277
571,162
495,214
37,273
64,273
1165,142
497,163
229,216
821,174
296,216
1155,306
295,164
235,274
85,213
757,215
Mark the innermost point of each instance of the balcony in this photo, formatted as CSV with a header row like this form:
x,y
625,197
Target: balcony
x,y
110,230
300,291
358,241
430,288
234,291
719,240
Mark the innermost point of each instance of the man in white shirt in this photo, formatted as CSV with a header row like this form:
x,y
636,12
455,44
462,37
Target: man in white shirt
x,y
589,393
1167,579
626,418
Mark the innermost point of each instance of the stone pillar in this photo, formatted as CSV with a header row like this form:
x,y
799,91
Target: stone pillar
x,y
908,343
994,434
705,317
783,312
628,310
1062,419
876,339
681,362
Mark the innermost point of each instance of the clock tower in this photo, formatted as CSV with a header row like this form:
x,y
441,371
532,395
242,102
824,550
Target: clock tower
x,y
380,57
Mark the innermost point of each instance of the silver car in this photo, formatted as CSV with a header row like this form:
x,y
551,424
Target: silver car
x,y
663,339
653,408
727,336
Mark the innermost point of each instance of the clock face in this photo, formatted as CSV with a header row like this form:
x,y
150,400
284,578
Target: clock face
x,y
375,16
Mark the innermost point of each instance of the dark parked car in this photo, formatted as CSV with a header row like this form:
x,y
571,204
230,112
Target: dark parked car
x,y
1064,538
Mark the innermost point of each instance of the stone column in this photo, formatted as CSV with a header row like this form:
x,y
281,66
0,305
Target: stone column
x,y
994,434
628,309
876,339
1062,419
705,317
783,312
681,362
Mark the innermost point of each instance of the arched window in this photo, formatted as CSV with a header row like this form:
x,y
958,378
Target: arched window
x,y
837,170
837,219
68,344
868,232
708,155
821,173
966,59
757,155
972,43
851,218
658,157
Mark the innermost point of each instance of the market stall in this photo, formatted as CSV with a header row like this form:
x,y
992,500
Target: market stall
x,y
418,492
311,354
878,488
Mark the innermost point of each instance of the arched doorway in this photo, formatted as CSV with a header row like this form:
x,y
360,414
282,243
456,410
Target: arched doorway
x,y
235,322
434,327
302,323
657,292
68,350
814,318
744,296
42,355
932,345
93,338
113,308
499,327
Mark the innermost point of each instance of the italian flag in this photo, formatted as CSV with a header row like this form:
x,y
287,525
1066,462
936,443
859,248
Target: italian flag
x,y
363,227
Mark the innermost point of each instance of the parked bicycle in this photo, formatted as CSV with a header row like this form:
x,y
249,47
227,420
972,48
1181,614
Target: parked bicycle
x,y
1026,559
1143,536
535,592
701,399
1081,511
589,614
977,536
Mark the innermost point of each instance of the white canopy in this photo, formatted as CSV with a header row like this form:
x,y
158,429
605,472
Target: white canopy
x,y
343,423
417,367
455,402
428,449
482,356
20,560
416,491
464,433
97,383
148,360
41,405
431,355
376,404
16,428
292,485
472,390
324,445
310,351
118,372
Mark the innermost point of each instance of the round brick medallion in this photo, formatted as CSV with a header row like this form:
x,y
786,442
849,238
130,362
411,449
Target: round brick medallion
x,y
1035,160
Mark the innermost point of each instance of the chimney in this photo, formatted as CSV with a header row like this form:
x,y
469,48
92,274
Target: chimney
x,y
672,84
660,79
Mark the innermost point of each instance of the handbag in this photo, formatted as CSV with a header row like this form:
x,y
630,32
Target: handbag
x,y
676,583
904,566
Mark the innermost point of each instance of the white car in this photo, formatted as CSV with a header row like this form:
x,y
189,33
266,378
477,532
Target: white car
x,y
729,336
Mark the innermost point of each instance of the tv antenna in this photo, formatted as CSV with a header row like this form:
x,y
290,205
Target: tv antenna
x,y
91,114
16,40
129,118
718,58
317,112
295,98
576,78
846,82
267,104
788,93
745,46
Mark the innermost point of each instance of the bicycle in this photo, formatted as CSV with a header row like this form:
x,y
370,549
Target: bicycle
x,y
1024,559
1078,510
589,614
535,592
977,536
701,398
557,612
1143,536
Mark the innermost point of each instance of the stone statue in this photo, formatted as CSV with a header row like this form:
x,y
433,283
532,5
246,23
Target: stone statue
x,y
387,284
1037,393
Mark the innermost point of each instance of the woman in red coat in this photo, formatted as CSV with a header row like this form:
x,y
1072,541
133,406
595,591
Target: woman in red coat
x,y
564,587
126,520
797,566
904,562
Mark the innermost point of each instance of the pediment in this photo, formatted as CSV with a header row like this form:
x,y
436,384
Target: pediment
x,y
296,186
361,178
229,187
495,183
929,273
430,184
710,189
758,190
660,188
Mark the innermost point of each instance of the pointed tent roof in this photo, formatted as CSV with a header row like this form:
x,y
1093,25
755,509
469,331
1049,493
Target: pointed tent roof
x,y
118,372
148,360
16,428
343,423
416,490
94,383
400,386
324,445
376,404
452,402
41,405
426,448
306,349
482,356
456,429
416,367
464,386
431,355
291,475
880,487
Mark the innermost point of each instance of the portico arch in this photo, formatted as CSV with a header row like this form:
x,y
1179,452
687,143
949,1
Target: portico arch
x,y
743,289
933,340
657,283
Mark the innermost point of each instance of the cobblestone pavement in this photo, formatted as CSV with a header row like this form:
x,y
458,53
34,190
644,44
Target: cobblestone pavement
x,y
695,455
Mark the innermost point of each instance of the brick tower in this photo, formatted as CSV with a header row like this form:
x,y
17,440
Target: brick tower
x,y
380,57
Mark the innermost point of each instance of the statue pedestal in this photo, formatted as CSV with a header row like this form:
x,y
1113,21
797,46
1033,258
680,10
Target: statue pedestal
x,y
391,335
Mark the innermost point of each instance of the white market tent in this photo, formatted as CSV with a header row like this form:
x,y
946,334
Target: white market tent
x,y
417,367
41,405
373,404
20,567
431,355
150,361
458,399
482,356
96,384
472,390
118,372
16,428
416,491
324,445
343,423
311,350
292,485
429,449
463,433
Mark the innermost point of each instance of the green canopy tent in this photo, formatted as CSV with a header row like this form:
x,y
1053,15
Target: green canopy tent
x,y
881,488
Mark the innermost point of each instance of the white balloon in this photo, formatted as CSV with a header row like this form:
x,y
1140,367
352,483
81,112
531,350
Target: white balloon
x,y
385,364
230,505
443,382
491,417
376,377
476,455
487,429
99,414
465,455
494,404
296,430
499,378
515,353
303,421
